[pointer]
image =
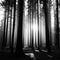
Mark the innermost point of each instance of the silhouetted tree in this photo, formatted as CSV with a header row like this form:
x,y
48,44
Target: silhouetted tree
x,y
57,38
46,22
13,25
19,45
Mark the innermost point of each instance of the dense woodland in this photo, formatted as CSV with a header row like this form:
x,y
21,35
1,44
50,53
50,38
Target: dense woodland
x,y
41,24
28,24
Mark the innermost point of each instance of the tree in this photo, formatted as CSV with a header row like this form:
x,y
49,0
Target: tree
x,y
19,35
46,22
57,38
5,28
13,26
10,24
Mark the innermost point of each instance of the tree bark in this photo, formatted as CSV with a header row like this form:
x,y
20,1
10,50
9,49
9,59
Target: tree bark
x,y
19,50
13,26
46,22
57,40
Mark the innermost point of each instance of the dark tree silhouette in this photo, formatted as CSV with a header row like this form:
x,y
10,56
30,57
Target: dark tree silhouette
x,y
57,38
13,26
32,23
38,15
46,22
19,35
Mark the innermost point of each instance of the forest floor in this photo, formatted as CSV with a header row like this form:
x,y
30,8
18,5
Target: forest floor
x,y
42,55
38,55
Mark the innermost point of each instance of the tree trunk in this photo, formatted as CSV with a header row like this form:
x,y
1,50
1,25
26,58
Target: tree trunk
x,y
19,35
10,27
7,24
13,26
46,22
57,40
3,43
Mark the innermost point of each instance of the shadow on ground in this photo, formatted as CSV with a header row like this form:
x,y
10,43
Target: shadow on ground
x,y
55,55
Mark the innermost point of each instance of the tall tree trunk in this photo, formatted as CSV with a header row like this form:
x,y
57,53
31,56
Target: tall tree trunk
x,y
32,30
38,17
3,43
7,24
10,27
13,26
46,22
19,37
57,40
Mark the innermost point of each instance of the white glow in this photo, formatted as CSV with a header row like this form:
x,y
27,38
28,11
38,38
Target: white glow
x,y
30,29
1,1
52,17
30,54
26,7
53,10
34,34
36,50
2,10
16,2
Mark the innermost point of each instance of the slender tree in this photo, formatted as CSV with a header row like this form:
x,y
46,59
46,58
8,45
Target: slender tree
x,y
13,26
38,18
10,24
57,40
7,22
